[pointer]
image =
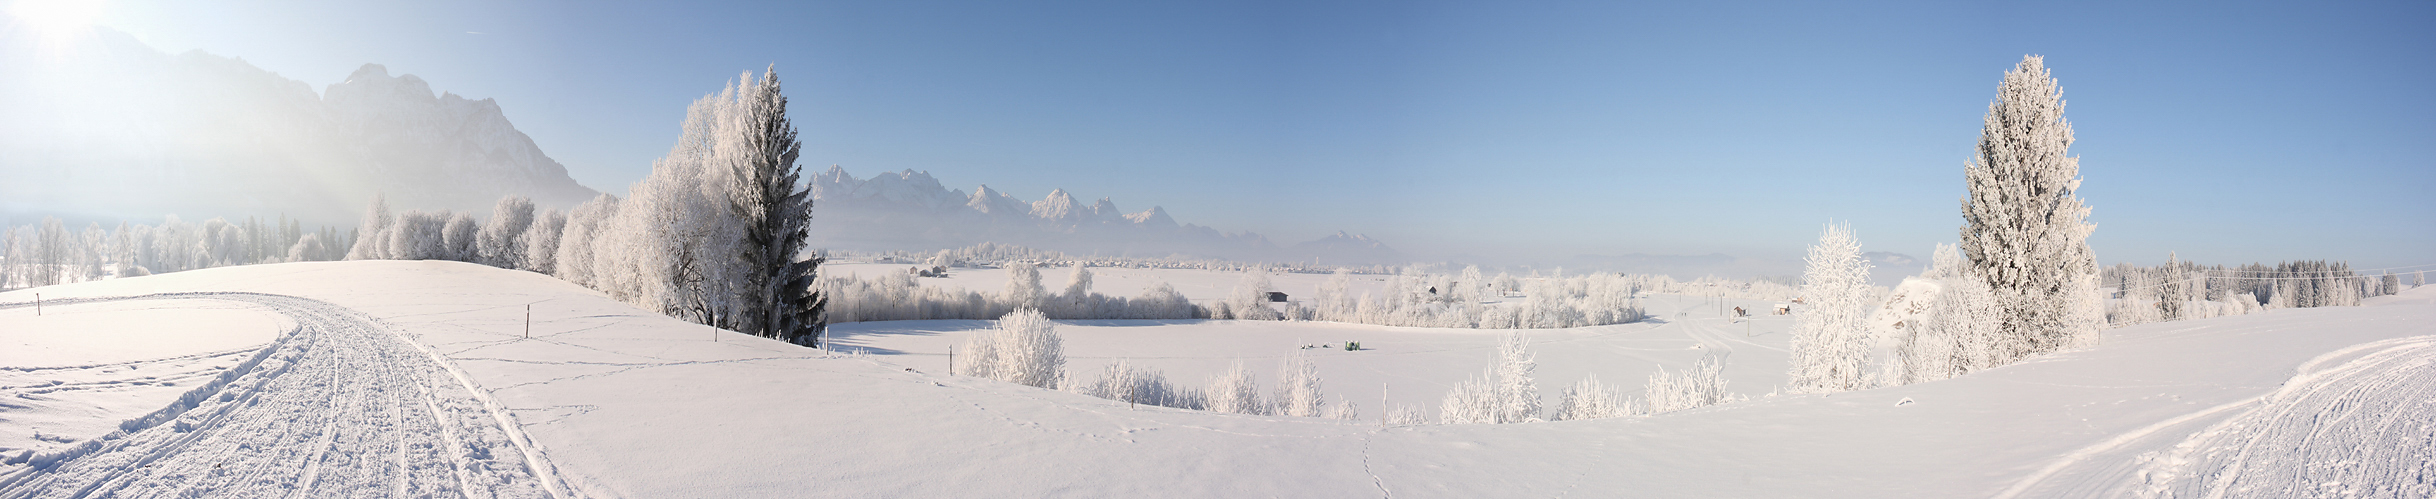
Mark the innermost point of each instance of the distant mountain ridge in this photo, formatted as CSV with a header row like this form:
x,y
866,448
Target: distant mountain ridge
x,y
912,210
114,128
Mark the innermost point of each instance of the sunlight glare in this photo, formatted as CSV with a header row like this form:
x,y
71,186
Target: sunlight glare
x,y
56,18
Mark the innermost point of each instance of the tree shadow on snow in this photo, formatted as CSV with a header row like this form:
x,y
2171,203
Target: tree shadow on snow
x,y
905,328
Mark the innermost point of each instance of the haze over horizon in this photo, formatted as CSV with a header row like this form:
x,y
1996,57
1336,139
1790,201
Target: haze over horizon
x,y
2227,133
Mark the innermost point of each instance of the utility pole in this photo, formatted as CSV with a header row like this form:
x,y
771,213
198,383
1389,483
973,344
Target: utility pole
x,y
37,304
528,321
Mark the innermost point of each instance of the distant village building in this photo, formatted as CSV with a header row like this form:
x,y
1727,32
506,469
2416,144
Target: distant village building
x,y
1276,297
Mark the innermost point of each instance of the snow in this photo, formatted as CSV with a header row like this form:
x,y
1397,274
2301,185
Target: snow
x,y
1201,286
618,402
78,369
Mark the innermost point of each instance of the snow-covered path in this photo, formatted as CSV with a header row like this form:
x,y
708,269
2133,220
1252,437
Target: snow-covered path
x,y
339,406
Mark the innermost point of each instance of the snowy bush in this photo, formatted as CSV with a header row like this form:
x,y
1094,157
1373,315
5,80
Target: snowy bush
x,y
371,242
1957,335
576,253
1298,387
501,241
1701,386
1234,391
1250,298
1403,415
1588,399
1024,349
1419,299
458,238
540,241
1138,385
1023,286
1504,393
901,296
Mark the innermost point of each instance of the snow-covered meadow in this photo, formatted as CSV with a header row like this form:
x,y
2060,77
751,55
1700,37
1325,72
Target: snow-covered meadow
x,y
611,401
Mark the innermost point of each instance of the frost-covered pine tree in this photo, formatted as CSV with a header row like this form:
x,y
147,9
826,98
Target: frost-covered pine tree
x,y
777,282
2024,230
2172,291
1830,329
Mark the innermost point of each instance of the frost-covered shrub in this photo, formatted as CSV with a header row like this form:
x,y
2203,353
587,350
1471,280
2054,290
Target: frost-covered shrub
x,y
1138,385
576,253
371,240
1438,300
1701,386
1024,349
419,235
1504,393
1250,298
1234,391
1403,415
458,238
902,296
540,241
1023,286
308,248
501,241
1589,399
1298,387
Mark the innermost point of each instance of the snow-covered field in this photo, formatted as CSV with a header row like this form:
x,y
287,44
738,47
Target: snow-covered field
x,y
416,378
1202,286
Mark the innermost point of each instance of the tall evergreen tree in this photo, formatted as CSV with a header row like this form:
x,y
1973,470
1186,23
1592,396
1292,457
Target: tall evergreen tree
x,y
2023,229
775,214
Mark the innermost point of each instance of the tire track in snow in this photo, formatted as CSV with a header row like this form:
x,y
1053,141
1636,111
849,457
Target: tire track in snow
x,y
340,406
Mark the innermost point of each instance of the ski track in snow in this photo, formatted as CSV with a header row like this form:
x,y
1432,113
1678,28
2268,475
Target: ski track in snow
x,y
2356,422
2365,427
340,406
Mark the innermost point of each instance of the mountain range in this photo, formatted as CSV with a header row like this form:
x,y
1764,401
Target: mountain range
x,y
912,210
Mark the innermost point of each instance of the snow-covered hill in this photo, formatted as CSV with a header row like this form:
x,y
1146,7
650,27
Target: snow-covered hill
x,y
110,127
912,210
616,402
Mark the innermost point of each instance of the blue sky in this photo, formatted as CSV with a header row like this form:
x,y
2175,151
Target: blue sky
x,y
2229,132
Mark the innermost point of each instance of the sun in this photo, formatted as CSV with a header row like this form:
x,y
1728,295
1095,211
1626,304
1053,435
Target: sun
x,y
55,18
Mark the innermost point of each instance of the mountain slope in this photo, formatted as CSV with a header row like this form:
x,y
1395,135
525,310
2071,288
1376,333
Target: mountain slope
x,y
109,127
